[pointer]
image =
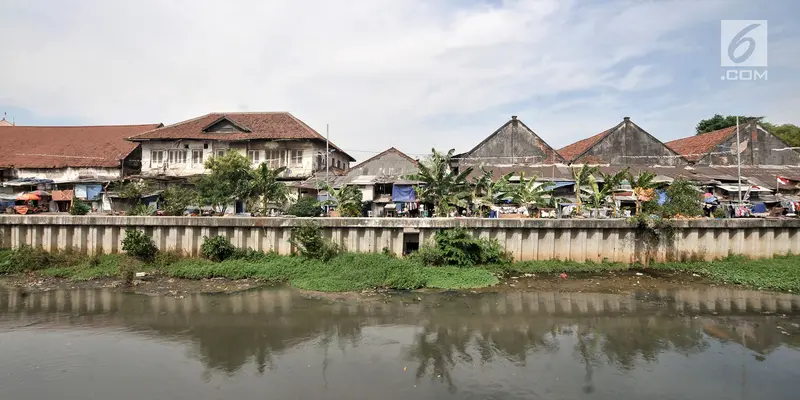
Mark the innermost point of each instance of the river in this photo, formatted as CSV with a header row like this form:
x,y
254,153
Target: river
x,y
277,343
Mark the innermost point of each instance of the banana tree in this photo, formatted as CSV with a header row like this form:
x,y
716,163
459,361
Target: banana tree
x,y
643,187
347,200
581,177
613,181
267,188
440,185
530,193
486,191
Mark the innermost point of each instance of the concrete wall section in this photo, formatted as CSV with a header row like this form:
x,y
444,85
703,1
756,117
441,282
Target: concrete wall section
x,y
526,239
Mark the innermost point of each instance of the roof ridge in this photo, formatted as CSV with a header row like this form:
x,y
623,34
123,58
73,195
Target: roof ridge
x,y
390,149
78,126
171,125
591,140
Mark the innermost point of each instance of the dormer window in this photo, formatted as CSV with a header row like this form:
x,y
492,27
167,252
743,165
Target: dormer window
x,y
225,125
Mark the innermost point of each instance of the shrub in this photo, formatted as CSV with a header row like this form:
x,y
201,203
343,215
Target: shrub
x,y
166,258
24,259
217,248
682,199
304,207
142,209
428,254
79,207
252,255
176,199
308,242
458,247
137,244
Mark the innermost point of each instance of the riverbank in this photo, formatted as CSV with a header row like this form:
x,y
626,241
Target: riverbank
x,y
352,272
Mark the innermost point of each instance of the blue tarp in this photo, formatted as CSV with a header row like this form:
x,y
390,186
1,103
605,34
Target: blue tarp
x,y
759,208
403,194
93,192
710,199
558,184
662,197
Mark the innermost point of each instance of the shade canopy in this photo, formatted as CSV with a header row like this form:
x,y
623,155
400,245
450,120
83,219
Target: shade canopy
x,y
28,196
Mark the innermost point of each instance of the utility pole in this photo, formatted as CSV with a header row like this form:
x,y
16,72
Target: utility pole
x,y
739,160
327,154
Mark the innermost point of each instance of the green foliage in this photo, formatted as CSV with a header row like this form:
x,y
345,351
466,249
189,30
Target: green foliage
x,y
555,266
682,199
176,199
789,133
779,273
308,242
267,188
487,191
65,264
610,184
718,122
132,189
79,207
530,193
644,190
165,258
458,247
137,244
304,207
440,185
458,278
143,210
229,179
217,248
347,200
581,177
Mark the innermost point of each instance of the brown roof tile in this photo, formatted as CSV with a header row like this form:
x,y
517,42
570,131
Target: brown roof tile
x,y
256,125
67,146
571,152
695,147
383,153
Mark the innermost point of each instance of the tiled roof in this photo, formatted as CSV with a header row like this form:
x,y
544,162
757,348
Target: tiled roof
x,y
67,146
571,152
257,125
695,147
385,152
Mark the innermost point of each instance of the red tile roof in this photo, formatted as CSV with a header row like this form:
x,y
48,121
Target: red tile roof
x,y
571,152
695,147
67,146
256,125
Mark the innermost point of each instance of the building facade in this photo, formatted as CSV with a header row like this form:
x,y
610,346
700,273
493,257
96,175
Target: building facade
x,y
277,138
514,143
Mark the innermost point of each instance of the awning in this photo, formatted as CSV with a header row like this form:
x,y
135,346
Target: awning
x,y
735,188
390,206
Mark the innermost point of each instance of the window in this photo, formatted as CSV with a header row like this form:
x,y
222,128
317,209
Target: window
x,y
297,157
220,153
338,163
177,157
276,158
254,156
197,157
156,157
205,145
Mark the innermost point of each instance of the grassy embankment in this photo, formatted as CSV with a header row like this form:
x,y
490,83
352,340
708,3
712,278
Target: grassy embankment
x,y
353,272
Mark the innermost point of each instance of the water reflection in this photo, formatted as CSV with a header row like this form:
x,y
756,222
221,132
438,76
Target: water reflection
x,y
227,332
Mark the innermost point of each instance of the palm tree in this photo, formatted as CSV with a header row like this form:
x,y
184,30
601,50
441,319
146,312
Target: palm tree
x,y
486,191
347,199
581,176
530,193
268,188
643,187
613,181
441,186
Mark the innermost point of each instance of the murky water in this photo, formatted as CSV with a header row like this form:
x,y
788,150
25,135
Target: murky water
x,y
276,344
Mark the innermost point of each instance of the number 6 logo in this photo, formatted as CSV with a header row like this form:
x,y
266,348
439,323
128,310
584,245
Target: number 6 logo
x,y
743,43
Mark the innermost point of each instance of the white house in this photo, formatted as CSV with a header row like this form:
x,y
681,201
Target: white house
x,y
278,138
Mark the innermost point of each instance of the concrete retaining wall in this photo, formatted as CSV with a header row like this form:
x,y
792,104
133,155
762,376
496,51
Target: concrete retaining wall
x,y
526,239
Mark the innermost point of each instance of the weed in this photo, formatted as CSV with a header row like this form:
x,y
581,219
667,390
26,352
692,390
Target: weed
x,y
139,245
308,241
217,248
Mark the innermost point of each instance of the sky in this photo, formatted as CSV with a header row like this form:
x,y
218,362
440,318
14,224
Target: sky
x,y
413,74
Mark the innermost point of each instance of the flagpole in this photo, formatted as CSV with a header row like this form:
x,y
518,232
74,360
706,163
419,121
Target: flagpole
x,y
739,160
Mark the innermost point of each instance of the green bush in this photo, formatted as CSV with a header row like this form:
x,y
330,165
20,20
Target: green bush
x,y
165,258
79,207
308,242
142,209
176,199
252,255
682,199
26,259
304,207
137,244
458,247
217,248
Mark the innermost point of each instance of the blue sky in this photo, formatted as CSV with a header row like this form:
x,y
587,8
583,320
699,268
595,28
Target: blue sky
x,y
413,74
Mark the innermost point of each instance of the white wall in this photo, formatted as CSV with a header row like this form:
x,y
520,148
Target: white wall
x,y
210,148
67,174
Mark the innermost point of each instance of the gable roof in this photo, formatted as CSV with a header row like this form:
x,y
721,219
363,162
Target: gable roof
x,y
549,151
575,150
383,153
67,146
696,147
256,125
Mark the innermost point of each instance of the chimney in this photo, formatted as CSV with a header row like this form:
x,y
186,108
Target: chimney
x,y
626,118
514,117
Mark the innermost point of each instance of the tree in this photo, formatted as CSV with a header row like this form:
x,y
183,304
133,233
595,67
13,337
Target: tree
x,y
789,133
598,196
441,186
267,188
176,199
718,122
487,191
304,207
683,198
643,187
612,182
347,200
581,177
230,179
530,193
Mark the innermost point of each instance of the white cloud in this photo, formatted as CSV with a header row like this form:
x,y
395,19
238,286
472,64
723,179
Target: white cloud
x,y
378,71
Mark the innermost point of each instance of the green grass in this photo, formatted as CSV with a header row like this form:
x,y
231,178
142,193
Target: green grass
x,y
555,266
779,273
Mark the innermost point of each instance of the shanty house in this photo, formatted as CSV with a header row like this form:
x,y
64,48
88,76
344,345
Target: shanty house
x,y
383,182
514,143
278,138
624,144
